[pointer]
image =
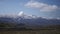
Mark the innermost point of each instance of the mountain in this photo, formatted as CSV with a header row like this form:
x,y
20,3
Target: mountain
x,y
25,16
29,20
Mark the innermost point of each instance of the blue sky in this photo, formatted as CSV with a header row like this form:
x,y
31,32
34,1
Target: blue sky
x,y
43,8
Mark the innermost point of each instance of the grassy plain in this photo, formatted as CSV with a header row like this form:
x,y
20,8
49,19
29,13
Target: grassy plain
x,y
31,32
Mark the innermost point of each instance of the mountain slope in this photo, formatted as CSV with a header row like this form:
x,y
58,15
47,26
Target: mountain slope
x,y
29,20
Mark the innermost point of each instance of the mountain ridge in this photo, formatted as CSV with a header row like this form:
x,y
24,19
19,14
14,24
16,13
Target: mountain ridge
x,y
30,20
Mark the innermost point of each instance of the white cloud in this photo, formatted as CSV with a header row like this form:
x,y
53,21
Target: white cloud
x,y
42,6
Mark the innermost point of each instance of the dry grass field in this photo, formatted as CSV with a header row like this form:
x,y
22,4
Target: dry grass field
x,y
31,32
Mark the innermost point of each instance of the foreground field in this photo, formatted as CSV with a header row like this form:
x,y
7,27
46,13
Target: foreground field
x,y
31,32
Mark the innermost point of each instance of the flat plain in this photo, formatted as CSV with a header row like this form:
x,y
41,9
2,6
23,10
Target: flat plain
x,y
31,32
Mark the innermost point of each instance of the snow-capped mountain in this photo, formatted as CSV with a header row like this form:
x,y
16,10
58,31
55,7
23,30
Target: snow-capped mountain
x,y
25,16
30,20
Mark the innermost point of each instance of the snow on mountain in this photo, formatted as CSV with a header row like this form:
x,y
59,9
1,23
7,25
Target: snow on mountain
x,y
30,20
25,16
21,13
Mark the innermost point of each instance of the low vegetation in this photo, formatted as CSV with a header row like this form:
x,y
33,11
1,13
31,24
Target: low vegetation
x,y
11,28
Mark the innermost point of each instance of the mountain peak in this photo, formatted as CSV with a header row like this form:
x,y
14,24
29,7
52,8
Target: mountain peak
x,y
21,13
